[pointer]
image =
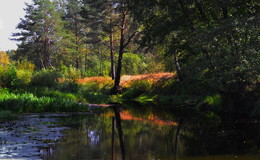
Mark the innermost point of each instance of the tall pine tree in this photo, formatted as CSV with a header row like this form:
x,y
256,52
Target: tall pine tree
x,y
41,33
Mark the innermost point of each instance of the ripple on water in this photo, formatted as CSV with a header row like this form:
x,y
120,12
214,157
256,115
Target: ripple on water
x,y
30,137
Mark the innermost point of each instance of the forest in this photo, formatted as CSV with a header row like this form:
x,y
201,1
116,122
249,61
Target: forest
x,y
70,53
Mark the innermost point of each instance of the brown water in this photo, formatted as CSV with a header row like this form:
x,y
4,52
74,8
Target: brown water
x,y
130,133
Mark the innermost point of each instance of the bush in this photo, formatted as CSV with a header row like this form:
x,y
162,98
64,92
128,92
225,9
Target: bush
x,y
68,86
133,64
47,78
25,65
70,74
6,115
102,86
214,100
96,91
8,77
165,87
24,76
3,75
137,88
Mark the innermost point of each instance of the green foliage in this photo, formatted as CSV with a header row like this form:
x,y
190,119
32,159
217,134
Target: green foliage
x,y
25,65
9,78
70,73
3,75
133,64
24,76
96,92
214,100
50,92
213,103
41,36
27,103
6,115
25,70
137,88
68,86
165,87
47,78
15,77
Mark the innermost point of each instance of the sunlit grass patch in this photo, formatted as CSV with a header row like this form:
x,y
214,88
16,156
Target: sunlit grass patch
x,y
28,103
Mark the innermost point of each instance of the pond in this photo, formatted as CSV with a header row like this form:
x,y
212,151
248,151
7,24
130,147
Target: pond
x,y
130,133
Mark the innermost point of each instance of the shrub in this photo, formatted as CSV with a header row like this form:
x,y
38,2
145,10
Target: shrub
x,y
6,115
68,86
214,100
24,76
4,59
11,77
98,85
70,74
25,65
137,88
8,77
47,78
133,64
3,75
165,87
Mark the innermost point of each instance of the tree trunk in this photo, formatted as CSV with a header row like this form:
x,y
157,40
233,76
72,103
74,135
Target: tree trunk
x,y
78,64
116,86
111,37
120,132
47,55
47,60
113,137
178,68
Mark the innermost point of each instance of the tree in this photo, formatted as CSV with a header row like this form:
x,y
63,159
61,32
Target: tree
x,y
41,33
128,29
74,24
214,43
99,17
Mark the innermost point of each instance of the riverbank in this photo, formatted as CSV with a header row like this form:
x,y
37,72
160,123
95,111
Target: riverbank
x,y
152,89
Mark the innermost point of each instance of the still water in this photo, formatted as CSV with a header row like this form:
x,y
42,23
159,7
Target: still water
x,y
143,133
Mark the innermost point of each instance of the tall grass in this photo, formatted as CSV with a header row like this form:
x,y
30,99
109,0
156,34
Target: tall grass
x,y
28,102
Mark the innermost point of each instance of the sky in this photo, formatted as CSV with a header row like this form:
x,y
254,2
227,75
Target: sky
x,y
10,13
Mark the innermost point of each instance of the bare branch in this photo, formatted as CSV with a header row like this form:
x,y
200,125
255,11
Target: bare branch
x,y
129,39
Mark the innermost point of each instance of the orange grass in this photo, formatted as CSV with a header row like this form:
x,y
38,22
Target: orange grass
x,y
126,80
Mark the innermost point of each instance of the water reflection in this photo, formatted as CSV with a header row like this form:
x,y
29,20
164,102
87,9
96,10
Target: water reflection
x,y
153,134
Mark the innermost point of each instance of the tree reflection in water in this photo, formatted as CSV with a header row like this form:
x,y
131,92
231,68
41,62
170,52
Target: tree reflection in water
x,y
141,133
120,132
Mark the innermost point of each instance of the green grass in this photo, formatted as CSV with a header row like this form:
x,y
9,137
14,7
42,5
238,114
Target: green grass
x,y
28,103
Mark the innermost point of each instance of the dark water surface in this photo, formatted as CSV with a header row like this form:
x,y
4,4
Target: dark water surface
x,y
139,133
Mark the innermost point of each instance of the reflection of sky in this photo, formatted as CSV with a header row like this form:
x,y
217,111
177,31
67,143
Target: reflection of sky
x,y
94,137
23,138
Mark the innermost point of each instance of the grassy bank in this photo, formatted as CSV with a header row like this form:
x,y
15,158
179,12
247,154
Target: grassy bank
x,y
47,92
163,89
